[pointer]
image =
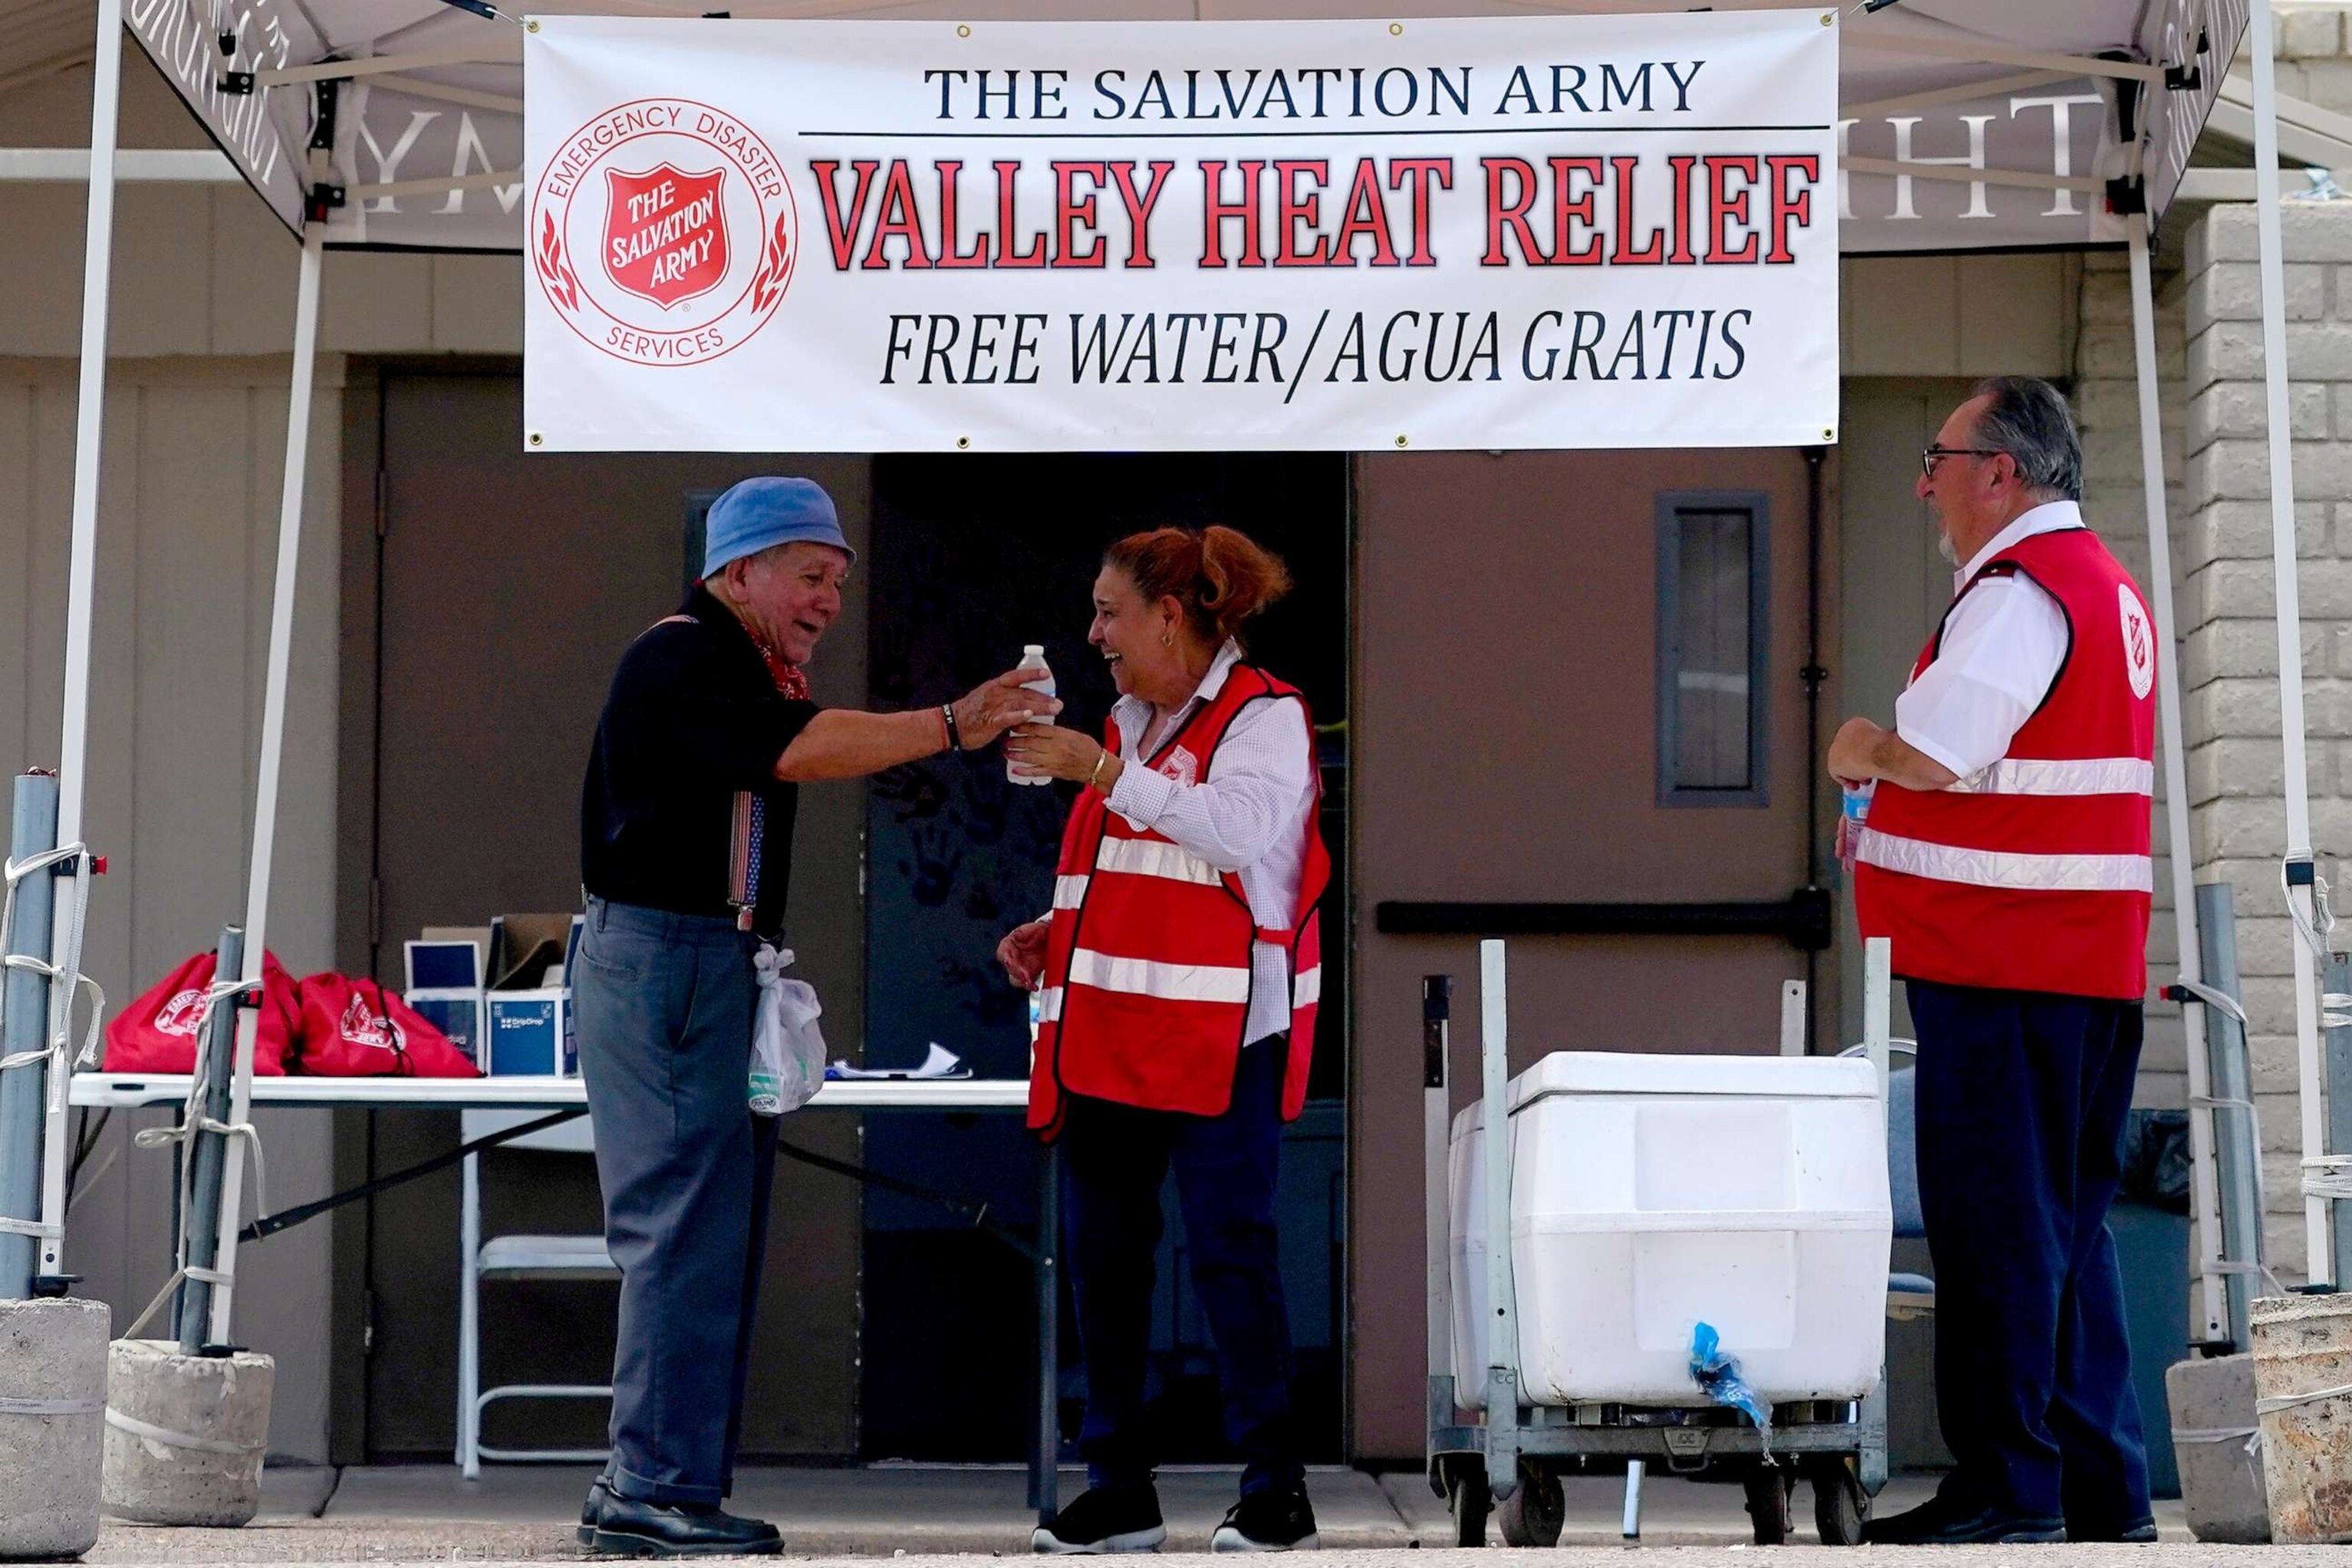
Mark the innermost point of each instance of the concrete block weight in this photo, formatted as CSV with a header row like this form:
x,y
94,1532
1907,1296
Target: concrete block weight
x,y
2215,1446
2303,1386
184,1435
52,1405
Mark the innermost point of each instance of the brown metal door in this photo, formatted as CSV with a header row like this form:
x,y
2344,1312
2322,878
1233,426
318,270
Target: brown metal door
x,y
1510,732
508,585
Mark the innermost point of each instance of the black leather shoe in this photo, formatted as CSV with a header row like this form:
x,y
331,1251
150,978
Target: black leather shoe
x,y
2141,1534
600,1491
626,1527
1937,1523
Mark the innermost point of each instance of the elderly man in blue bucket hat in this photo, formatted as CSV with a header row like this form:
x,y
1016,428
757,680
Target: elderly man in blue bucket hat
x,y
686,838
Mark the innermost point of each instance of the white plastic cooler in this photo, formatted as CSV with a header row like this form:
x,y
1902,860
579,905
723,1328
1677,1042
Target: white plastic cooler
x,y
1651,1193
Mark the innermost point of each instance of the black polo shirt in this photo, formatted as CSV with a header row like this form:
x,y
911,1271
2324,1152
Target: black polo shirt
x,y
692,717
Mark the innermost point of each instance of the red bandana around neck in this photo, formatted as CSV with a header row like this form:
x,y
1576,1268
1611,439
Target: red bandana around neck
x,y
791,681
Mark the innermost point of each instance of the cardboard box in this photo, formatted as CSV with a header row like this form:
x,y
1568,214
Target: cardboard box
x,y
526,1033
528,1006
444,986
571,1017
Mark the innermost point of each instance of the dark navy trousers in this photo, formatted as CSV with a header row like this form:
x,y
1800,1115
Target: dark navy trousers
x,y
1115,1158
2021,1101
665,1005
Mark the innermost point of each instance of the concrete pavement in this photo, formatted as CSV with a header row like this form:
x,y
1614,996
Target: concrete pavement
x,y
934,1515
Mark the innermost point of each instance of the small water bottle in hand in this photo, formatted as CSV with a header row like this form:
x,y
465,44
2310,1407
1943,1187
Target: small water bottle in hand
x,y
1033,656
1854,811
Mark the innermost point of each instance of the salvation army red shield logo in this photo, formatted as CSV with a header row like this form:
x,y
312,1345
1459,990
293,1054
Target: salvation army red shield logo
x,y
182,1013
663,237
2139,643
664,232
362,1025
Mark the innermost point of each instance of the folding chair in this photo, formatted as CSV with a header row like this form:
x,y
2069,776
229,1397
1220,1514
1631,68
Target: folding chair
x,y
579,1257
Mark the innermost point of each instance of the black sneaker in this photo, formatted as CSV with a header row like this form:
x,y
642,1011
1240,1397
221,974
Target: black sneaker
x,y
1267,1522
1939,1523
1104,1519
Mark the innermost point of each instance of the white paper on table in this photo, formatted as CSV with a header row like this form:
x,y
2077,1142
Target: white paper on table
x,y
937,1062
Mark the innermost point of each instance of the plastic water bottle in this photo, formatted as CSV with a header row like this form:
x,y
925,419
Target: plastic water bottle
x,y
1854,812
1033,656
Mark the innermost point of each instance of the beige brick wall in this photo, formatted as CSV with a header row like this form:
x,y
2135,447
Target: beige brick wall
x,y
2308,46
2230,670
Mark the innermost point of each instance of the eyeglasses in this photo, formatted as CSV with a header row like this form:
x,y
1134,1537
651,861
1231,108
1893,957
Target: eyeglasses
x,y
1933,455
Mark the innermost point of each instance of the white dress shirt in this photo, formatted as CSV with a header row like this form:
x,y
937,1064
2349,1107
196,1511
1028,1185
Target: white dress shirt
x,y
2003,644
1250,818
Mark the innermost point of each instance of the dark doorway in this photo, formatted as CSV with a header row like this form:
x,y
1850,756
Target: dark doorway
x,y
974,557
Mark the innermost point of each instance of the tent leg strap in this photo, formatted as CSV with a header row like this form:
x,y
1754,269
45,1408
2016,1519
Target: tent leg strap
x,y
286,1219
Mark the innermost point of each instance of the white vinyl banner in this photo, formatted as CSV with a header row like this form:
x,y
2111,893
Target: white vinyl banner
x,y
875,236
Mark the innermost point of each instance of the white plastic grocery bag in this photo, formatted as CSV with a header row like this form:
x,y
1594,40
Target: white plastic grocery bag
x,y
787,1048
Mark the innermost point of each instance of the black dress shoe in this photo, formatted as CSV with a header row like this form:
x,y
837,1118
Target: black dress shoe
x,y
600,1492
2141,1534
626,1527
1937,1523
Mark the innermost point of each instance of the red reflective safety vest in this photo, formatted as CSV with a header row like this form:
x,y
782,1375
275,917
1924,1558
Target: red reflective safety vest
x,y
2034,873
1147,961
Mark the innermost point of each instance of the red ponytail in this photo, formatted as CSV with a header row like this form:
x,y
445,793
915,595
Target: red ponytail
x,y
1219,574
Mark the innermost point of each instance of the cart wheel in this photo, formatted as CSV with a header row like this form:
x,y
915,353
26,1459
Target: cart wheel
x,y
1532,1515
1840,1508
1467,1500
1767,1488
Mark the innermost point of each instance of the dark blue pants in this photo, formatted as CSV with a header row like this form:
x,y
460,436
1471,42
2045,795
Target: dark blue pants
x,y
2021,1100
664,1006
1115,1158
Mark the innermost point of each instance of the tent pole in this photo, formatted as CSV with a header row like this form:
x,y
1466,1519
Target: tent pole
x,y
89,414
2204,1188
81,580
2318,1241
273,745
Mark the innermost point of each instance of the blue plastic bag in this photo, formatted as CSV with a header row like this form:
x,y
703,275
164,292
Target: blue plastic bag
x,y
1718,1376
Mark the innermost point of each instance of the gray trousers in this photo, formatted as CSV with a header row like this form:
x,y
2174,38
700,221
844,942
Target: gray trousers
x,y
665,1004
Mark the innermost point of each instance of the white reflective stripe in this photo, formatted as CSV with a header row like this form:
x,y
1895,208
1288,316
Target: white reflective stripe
x,y
1307,989
2007,868
1163,982
1155,858
2040,776
1069,892
1049,1004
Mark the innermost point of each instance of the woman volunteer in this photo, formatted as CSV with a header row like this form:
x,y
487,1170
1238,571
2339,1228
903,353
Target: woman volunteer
x,y
1181,968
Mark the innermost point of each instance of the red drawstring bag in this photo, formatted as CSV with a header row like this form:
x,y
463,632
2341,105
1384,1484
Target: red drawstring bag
x,y
355,1028
158,1032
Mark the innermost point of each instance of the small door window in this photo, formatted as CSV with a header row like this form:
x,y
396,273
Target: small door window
x,y
1712,605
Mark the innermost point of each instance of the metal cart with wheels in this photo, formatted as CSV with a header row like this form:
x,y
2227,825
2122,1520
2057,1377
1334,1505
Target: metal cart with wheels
x,y
1510,1461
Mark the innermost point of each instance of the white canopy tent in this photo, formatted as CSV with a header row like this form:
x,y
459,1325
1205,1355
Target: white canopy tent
x,y
1967,124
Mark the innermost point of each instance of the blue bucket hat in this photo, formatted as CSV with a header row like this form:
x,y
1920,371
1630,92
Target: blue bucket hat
x,y
756,513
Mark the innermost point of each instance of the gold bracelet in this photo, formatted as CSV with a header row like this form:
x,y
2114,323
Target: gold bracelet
x,y
1097,774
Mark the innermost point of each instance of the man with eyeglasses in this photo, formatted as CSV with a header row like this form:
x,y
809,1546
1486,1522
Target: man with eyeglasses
x,y
2006,856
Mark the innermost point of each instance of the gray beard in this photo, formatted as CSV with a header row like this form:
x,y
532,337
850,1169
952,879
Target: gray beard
x,y
1944,548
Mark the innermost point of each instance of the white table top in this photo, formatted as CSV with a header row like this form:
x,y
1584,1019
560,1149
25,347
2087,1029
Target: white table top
x,y
528,1093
